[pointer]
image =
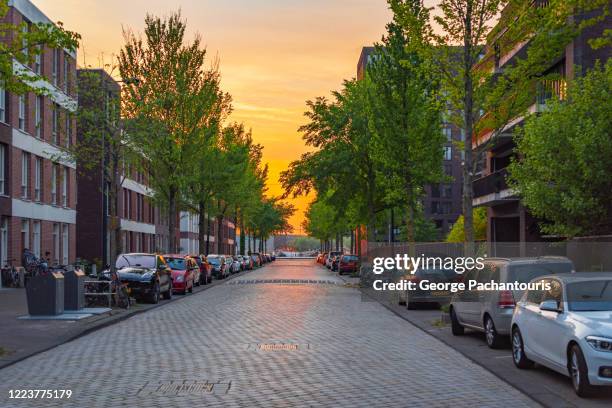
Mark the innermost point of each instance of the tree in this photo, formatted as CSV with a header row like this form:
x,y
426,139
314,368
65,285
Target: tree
x,y
457,233
563,171
166,105
21,45
404,109
465,25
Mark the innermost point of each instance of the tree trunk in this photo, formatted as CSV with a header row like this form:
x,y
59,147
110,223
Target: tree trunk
x,y
220,234
172,194
410,236
242,235
468,223
201,227
207,234
115,223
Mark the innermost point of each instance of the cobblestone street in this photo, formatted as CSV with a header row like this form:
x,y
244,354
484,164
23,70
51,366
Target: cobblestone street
x,y
265,344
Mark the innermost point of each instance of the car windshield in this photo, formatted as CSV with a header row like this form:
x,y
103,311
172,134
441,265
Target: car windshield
x,y
590,296
140,261
526,273
349,258
437,273
178,264
214,261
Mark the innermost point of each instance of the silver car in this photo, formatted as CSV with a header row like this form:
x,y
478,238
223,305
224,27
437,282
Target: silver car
x,y
491,311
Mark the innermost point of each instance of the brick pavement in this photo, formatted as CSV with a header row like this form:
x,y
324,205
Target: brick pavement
x,y
205,351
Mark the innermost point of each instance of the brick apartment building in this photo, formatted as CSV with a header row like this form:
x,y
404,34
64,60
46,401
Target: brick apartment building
x,y
190,243
442,202
143,227
37,190
508,220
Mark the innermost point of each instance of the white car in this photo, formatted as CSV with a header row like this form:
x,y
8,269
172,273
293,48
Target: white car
x,y
567,328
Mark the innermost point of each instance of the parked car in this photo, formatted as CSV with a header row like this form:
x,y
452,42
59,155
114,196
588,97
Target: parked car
x,y
348,263
259,257
236,264
229,264
218,266
147,276
491,311
205,269
248,262
256,260
335,262
330,258
412,298
183,272
320,258
567,328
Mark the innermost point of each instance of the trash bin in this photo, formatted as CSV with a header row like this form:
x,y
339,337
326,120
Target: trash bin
x,y
45,294
74,290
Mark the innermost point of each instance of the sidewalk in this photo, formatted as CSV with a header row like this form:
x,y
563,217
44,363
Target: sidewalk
x,y
20,339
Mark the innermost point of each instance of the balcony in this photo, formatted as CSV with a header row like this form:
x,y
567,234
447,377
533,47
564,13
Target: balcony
x,y
491,189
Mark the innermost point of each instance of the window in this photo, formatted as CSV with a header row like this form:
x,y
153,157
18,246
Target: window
x,y
24,39
25,174
54,63
66,72
22,112
38,179
4,241
36,238
65,187
448,153
65,244
2,104
38,60
448,132
38,115
54,184
25,234
68,130
447,190
56,243
3,161
55,123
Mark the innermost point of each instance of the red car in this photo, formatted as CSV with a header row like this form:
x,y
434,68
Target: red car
x,y
348,263
205,270
184,270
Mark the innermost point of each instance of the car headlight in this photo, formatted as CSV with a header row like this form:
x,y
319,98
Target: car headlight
x,y
600,343
180,278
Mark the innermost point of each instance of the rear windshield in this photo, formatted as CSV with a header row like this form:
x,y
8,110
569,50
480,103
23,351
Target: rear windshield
x,y
177,264
526,273
590,296
349,258
437,273
214,261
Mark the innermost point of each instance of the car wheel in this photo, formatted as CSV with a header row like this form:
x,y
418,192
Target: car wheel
x,y
401,301
493,339
191,288
518,350
155,295
168,293
578,371
456,327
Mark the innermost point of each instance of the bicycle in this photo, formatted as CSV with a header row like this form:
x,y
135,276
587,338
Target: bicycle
x,y
9,275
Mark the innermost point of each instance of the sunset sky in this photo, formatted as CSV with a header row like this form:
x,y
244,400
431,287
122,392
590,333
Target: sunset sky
x,y
274,54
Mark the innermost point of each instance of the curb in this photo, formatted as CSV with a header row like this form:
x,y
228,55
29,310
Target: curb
x,y
110,321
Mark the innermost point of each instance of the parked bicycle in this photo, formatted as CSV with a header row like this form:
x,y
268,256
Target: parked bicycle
x,y
9,275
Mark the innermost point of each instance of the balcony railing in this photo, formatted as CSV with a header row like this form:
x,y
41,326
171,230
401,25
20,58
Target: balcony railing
x,y
490,184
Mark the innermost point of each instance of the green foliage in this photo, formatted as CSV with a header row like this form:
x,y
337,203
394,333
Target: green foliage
x,y
456,234
303,244
22,43
563,175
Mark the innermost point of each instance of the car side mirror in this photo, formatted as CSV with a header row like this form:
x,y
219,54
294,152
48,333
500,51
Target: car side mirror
x,y
550,306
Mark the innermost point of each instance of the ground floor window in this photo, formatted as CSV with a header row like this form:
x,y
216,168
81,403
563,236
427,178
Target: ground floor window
x,y
56,243
65,245
4,241
36,238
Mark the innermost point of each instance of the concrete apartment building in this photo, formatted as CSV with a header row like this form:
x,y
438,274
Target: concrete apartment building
x,y
442,202
37,191
508,219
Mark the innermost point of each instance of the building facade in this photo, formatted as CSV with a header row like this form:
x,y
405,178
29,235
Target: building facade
x,y
190,242
38,187
143,227
508,219
441,202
